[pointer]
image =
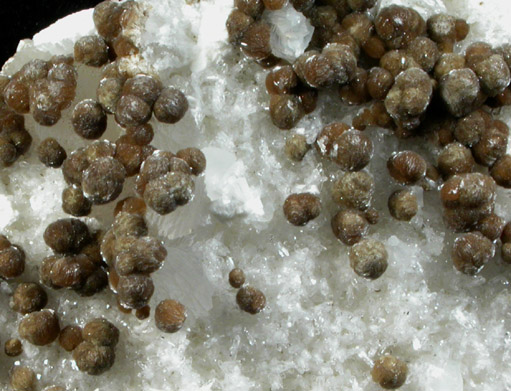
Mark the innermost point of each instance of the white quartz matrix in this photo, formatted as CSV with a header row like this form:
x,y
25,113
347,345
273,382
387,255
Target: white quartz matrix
x,y
323,325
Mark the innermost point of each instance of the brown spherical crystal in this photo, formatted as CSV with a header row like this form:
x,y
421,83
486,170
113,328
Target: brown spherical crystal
x,y
101,332
74,166
237,23
442,28
13,347
130,155
250,300
171,106
74,202
407,167
89,119
91,50
236,278
491,147
141,135
368,258
51,153
70,271
379,82
477,52
494,74
403,205
448,62
397,61
325,139
132,111
296,147
454,159
22,379
491,226
471,252
67,236
135,290
254,8
468,190
349,226
143,313
470,128
409,97
169,316
8,153
144,87
501,171
352,150
285,111
359,26
374,47
281,80
39,328
460,91
194,158
301,208
322,17
398,26
28,297
389,372
93,359
16,96
32,71
425,53
256,41
106,18
70,337
166,193
335,64
12,262
354,190
109,92
103,180
355,93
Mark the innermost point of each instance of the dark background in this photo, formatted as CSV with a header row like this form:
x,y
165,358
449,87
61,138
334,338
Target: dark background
x,y
20,19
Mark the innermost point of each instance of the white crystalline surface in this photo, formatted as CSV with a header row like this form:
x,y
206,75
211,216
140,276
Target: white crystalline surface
x,y
323,326
291,32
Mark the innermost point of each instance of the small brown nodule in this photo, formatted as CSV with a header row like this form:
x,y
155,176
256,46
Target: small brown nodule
x,y
296,147
403,205
51,153
13,347
251,300
169,316
471,252
368,258
22,379
101,332
171,106
70,337
93,359
29,297
407,167
389,372
40,328
236,278
349,226
301,208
